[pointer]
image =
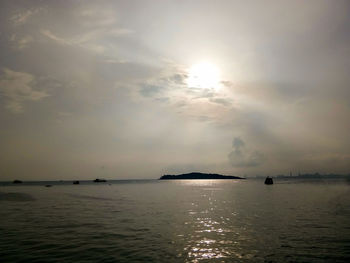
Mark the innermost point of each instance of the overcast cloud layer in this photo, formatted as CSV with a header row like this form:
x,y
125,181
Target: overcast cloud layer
x,y
99,88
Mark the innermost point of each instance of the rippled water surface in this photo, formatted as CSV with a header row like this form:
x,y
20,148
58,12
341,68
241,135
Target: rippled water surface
x,y
176,221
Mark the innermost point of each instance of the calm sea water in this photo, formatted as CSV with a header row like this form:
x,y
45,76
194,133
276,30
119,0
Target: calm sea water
x,y
176,221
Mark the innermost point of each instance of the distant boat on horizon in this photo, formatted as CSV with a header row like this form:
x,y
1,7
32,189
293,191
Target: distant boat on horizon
x,y
268,180
17,181
76,182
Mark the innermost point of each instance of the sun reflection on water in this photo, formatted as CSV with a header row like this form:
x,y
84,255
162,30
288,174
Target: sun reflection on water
x,y
206,243
211,230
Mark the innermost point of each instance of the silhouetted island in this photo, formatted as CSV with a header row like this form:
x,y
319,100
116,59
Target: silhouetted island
x,y
194,176
100,180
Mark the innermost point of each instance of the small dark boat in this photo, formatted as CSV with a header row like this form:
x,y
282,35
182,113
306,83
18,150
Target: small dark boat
x,y
48,185
17,182
100,180
268,180
76,182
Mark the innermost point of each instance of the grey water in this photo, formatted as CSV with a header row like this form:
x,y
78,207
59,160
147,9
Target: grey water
x,y
176,221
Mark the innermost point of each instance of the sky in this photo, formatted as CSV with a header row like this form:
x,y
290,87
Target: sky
x,y
137,89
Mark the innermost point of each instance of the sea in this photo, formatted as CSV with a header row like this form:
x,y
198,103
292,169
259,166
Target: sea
x,y
176,221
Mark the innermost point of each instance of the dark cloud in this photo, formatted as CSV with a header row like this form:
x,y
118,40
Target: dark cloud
x,y
150,90
163,99
222,101
178,78
242,157
237,144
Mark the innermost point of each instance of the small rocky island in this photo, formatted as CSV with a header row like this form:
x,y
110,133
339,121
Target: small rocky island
x,y
100,180
198,176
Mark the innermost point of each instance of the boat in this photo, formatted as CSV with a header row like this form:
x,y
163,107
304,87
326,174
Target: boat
x,y
17,181
268,180
76,182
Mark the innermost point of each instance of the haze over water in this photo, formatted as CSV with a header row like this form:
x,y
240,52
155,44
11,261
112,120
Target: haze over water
x,y
177,221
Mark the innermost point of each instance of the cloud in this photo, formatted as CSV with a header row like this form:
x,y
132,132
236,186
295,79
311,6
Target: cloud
x,y
242,157
21,18
17,88
150,90
57,39
21,42
222,101
90,40
93,17
179,78
173,81
237,144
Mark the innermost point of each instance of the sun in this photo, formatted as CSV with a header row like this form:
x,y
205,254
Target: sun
x,y
204,76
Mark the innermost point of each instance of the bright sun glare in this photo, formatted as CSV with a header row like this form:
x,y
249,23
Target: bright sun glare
x,y
203,75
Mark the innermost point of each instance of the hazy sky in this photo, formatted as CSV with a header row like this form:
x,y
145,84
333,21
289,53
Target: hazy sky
x,y
136,89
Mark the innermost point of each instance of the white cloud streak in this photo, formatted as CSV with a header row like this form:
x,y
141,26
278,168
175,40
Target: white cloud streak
x,y
17,88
